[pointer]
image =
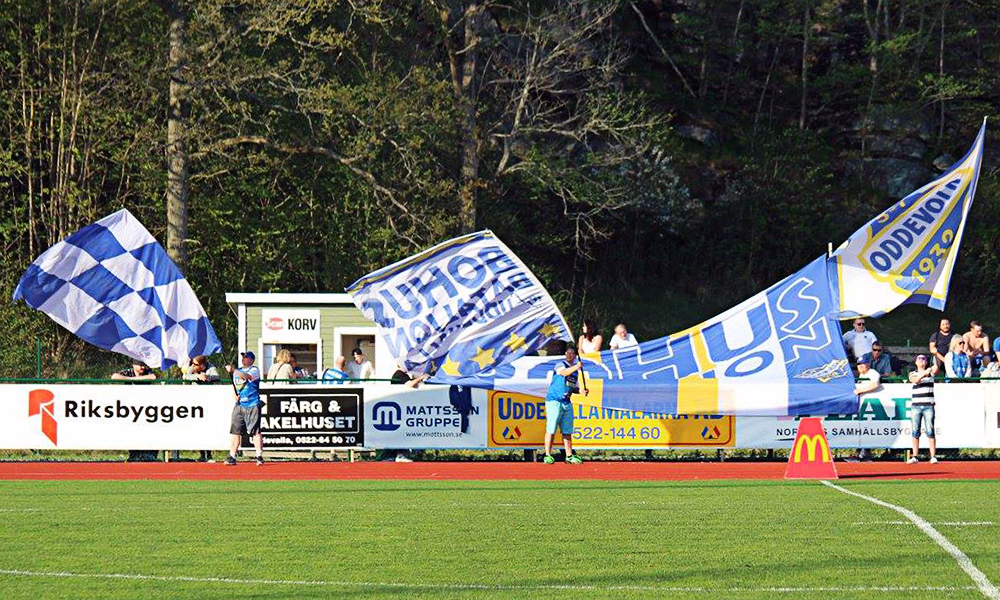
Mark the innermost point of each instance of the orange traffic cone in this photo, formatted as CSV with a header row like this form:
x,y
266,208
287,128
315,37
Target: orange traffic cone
x,y
811,457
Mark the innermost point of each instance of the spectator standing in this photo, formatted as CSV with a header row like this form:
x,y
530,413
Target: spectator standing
x,y
591,339
246,413
622,338
400,377
940,342
559,409
300,372
977,344
869,381
879,361
281,368
858,341
922,407
956,362
201,371
361,368
337,373
137,372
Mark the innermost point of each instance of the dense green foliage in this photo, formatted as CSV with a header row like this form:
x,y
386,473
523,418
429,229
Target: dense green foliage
x,y
489,539
651,161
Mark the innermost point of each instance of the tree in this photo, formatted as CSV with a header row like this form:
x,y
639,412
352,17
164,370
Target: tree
x,y
176,148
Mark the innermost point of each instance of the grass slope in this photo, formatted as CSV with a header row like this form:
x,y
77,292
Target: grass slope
x,y
474,539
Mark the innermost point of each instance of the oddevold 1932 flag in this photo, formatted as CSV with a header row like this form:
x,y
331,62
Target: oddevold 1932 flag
x,y
906,255
461,307
114,286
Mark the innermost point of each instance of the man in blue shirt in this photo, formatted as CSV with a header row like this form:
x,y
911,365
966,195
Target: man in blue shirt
x,y
559,409
337,373
879,360
246,413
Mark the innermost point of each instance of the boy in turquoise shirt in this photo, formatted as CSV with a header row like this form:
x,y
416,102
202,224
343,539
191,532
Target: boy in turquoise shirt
x,y
559,409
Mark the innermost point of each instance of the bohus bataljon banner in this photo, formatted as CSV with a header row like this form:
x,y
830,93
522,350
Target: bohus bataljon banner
x,y
459,307
777,353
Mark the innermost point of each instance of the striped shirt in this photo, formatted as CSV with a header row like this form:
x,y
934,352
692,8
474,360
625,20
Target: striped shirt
x,y
923,392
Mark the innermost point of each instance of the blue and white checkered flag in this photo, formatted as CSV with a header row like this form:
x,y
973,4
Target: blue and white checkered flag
x,y
114,286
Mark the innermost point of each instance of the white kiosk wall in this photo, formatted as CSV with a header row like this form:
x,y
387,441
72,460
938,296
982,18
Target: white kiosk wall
x,y
295,329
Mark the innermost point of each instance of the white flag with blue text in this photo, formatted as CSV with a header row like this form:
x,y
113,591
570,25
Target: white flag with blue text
x,y
113,285
906,255
460,307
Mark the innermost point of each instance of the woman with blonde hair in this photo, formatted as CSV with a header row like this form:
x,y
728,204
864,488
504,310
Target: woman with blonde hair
x,y
281,369
956,362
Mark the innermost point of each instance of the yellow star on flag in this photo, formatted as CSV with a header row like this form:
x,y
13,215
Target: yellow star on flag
x,y
483,357
515,341
450,367
549,330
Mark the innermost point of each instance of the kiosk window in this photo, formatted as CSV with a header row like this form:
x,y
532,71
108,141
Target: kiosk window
x,y
306,355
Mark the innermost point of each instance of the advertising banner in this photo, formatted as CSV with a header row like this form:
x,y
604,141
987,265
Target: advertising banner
x,y
518,421
991,393
315,416
426,418
883,421
290,325
115,417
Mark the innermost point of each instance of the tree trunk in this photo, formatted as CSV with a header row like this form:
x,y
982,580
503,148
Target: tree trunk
x,y
470,139
177,152
944,10
805,68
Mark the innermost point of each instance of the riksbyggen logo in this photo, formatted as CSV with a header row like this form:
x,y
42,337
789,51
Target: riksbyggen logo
x,y
42,403
811,446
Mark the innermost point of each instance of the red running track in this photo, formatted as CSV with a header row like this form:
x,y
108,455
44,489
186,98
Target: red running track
x,y
617,471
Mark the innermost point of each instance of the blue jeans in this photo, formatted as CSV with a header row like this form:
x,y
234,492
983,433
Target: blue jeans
x,y
923,413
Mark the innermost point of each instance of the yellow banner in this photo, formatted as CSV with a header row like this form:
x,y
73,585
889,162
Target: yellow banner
x,y
518,421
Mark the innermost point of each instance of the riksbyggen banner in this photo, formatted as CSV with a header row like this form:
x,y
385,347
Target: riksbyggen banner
x,y
883,421
518,421
114,417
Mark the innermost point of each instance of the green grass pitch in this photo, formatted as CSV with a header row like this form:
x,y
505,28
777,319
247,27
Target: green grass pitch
x,y
490,539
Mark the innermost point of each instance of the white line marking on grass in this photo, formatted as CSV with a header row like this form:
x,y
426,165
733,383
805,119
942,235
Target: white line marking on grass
x,y
20,510
944,523
985,586
484,586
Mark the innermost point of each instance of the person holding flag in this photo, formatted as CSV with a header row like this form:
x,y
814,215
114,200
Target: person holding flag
x,y
246,413
559,409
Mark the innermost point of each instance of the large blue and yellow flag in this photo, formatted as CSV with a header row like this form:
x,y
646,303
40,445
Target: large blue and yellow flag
x,y
777,353
460,307
906,255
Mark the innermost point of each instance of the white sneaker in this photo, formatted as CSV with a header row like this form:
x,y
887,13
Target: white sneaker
x,y
934,460
913,460
403,458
